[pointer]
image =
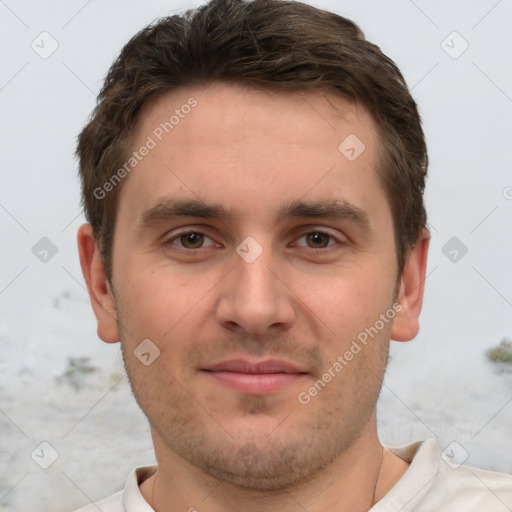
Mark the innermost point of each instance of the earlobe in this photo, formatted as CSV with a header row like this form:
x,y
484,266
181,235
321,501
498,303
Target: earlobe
x,y
411,289
100,293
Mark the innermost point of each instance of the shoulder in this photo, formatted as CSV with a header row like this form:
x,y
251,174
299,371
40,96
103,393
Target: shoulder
x,y
129,499
113,503
434,481
473,487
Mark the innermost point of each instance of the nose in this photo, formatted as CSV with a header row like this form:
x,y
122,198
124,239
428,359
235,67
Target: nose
x,y
254,297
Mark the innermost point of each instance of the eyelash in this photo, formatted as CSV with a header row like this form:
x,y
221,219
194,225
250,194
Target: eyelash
x,y
197,232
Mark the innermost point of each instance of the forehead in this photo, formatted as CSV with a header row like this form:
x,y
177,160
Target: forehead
x,y
228,140
242,111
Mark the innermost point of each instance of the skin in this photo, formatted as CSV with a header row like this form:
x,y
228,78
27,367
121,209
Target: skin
x,y
304,300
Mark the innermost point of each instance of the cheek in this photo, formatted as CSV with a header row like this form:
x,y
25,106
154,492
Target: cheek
x,y
144,311
163,305
151,298
350,301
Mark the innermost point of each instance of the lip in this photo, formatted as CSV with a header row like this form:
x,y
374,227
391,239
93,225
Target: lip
x,y
255,378
246,366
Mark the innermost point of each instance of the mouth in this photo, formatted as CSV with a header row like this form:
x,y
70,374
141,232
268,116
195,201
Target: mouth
x,y
255,378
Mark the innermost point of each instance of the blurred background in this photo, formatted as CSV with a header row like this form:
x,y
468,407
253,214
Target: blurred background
x,y
70,431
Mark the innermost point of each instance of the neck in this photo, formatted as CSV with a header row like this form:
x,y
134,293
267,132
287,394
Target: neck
x,y
359,478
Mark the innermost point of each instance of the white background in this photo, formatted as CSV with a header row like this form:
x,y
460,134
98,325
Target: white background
x,y
441,385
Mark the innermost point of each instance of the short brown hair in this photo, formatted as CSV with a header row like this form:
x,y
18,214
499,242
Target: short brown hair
x,y
266,43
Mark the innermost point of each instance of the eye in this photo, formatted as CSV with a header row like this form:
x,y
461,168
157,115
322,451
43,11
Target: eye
x,y
317,240
190,240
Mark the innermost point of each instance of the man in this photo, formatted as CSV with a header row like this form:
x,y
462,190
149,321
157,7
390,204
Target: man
x,y
253,179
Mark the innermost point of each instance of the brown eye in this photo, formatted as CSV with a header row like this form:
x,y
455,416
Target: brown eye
x,y
191,240
318,240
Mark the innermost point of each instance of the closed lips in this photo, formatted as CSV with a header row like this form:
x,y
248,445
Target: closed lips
x,y
244,366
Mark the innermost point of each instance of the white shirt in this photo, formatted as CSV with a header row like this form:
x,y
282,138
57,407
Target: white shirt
x,y
429,485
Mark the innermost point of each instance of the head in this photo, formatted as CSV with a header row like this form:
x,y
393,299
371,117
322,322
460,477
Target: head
x,y
253,177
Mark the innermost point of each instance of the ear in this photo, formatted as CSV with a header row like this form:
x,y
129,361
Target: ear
x,y
410,292
100,293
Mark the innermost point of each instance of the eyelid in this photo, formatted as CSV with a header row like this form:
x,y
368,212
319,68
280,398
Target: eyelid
x,y
339,240
169,240
300,233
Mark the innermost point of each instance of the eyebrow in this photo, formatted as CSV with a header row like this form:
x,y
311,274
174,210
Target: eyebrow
x,y
327,208
171,208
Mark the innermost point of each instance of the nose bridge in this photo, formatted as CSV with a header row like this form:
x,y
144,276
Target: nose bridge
x,y
255,280
253,297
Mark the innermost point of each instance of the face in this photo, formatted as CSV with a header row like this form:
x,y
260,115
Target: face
x,y
256,254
